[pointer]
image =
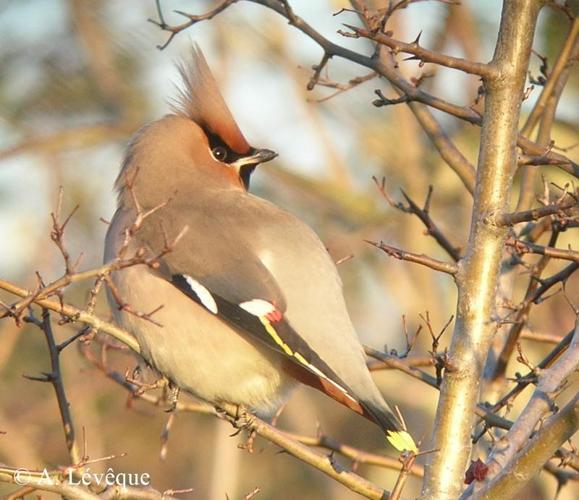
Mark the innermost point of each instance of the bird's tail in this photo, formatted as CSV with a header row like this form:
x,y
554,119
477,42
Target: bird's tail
x,y
395,433
375,409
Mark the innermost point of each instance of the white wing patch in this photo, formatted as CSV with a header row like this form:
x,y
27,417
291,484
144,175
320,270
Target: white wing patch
x,y
258,307
204,295
262,308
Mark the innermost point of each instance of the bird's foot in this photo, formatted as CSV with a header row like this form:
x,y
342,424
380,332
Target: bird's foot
x,y
141,387
171,396
241,420
248,443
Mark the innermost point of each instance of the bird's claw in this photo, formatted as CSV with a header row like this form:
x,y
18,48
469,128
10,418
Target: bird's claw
x,y
172,396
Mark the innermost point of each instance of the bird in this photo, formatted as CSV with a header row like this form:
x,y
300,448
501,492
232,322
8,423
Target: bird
x,y
252,302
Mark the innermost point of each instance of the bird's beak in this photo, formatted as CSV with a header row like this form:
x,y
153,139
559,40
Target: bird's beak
x,y
264,155
246,165
258,156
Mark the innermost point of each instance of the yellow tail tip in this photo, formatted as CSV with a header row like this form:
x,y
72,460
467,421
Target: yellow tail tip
x,y
402,441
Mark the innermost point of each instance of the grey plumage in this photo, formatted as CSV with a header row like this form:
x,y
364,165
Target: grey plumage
x,y
240,249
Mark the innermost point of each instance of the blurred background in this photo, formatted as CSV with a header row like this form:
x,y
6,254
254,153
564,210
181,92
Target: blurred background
x,y
78,77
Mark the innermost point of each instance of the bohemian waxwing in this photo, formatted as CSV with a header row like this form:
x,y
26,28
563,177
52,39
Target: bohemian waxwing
x,y
252,302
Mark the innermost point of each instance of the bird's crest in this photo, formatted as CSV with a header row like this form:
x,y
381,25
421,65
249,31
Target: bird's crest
x,y
201,101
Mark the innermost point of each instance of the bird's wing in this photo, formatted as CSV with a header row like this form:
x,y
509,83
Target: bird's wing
x,y
265,322
265,273
215,266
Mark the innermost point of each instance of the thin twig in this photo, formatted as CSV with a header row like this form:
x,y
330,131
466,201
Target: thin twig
x,y
530,377
559,207
76,315
522,247
422,54
192,19
423,214
437,265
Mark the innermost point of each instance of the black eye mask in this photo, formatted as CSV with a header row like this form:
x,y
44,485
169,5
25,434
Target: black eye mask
x,y
222,152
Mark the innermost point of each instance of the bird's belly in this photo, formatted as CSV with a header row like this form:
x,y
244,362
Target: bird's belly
x,y
197,351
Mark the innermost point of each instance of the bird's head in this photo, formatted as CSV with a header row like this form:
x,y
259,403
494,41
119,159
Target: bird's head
x,y
197,147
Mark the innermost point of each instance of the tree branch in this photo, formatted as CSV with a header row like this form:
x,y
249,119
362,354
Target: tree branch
x,y
423,214
538,406
563,63
531,458
531,376
522,247
55,378
560,207
397,253
192,19
287,441
413,93
76,315
478,276
422,54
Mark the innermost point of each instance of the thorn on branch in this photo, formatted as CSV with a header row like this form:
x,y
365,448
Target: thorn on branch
x,y
384,101
44,377
348,34
544,68
416,41
346,9
317,71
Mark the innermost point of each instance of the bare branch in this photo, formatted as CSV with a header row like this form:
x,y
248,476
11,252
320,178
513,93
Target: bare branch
x,y
522,247
558,208
411,92
39,481
529,461
192,20
397,363
55,378
432,229
343,87
565,59
423,214
57,232
548,283
55,481
407,464
356,455
251,423
437,265
422,54
531,376
317,71
76,315
474,327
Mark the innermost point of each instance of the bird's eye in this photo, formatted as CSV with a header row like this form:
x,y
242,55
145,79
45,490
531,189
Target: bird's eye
x,y
219,153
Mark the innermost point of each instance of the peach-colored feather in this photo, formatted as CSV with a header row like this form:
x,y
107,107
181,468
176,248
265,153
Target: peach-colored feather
x,y
306,377
201,101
